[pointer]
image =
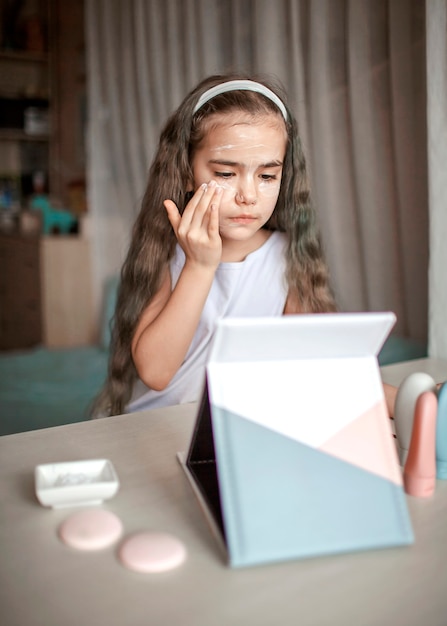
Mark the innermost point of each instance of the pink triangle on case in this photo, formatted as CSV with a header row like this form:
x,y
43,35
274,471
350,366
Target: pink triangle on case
x,y
367,443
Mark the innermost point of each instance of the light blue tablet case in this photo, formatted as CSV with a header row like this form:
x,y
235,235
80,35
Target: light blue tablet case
x,y
292,453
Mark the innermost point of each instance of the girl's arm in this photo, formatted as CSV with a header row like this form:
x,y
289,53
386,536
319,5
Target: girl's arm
x,y
167,325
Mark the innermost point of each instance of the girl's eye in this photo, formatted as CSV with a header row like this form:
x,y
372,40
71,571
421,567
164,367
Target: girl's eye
x,y
268,177
224,174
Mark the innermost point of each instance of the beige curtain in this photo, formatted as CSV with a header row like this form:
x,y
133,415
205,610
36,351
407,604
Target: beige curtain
x,y
437,158
355,72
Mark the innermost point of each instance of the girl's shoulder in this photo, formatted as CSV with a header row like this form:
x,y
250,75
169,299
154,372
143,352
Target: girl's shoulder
x,y
278,238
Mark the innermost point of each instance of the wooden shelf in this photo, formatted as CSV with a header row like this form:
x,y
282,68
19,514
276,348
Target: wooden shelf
x,y
23,56
12,134
20,291
67,303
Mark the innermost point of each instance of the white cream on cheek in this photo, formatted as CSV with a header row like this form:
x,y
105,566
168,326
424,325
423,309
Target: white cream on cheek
x,y
269,188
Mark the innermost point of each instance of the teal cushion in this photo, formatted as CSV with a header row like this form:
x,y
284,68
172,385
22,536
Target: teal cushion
x,y
397,349
42,388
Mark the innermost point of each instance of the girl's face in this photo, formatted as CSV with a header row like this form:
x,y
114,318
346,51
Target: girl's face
x,y
244,155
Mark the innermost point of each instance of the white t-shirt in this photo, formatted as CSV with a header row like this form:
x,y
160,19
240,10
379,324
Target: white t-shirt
x,y
255,287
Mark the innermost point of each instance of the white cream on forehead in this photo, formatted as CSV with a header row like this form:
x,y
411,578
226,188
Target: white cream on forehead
x,y
237,147
242,143
227,147
244,130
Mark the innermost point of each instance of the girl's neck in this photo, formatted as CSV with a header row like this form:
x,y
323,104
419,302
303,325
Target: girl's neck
x,y
234,251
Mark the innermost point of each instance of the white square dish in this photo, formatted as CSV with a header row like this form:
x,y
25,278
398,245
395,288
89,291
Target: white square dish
x,y
75,483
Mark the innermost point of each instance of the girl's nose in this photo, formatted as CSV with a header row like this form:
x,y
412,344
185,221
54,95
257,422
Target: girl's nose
x,y
246,193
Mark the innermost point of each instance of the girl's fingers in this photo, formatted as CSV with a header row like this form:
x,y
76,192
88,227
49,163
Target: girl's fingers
x,y
212,206
197,213
173,214
213,221
212,215
199,210
192,205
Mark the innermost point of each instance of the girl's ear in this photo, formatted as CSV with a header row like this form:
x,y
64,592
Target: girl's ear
x,y
189,190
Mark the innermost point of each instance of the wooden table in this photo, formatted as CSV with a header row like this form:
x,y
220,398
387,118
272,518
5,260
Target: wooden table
x,y
45,583
395,373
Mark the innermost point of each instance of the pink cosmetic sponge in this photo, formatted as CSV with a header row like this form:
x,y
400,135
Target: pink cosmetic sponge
x,y
151,552
91,529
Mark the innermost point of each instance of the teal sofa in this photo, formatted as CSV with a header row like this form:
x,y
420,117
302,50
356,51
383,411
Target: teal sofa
x,y
42,387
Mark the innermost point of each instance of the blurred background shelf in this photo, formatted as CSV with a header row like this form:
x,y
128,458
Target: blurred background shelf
x,y
12,134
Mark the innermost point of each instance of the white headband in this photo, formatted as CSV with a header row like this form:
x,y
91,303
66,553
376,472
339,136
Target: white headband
x,y
236,85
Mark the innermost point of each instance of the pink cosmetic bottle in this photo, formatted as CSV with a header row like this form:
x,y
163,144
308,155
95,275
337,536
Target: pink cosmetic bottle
x,y
420,466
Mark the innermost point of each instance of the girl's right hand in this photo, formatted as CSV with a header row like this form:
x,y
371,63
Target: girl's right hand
x,y
197,230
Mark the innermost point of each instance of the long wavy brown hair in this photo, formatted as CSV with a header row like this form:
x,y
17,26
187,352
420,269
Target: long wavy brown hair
x,y
153,240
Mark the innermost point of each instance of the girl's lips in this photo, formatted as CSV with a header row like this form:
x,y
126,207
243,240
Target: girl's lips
x,y
243,219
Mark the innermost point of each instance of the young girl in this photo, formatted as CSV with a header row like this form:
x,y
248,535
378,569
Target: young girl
x,y
226,228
